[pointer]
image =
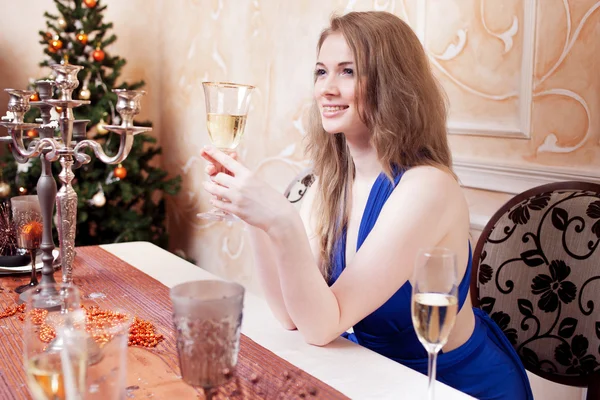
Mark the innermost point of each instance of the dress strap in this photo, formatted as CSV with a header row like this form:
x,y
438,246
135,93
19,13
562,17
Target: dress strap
x,y
465,283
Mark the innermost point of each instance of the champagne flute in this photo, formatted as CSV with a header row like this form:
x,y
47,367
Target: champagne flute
x,y
434,302
54,314
226,112
27,217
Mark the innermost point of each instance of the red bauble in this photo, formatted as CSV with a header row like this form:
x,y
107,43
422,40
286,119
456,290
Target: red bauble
x,y
98,55
90,3
34,97
120,172
32,133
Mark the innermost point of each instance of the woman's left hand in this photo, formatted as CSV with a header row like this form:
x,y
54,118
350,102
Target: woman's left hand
x,y
240,192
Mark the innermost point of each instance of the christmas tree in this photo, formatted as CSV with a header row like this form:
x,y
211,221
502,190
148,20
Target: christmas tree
x,y
116,203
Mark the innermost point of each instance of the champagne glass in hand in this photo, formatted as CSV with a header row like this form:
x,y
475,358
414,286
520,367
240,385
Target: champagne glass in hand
x,y
434,302
226,112
27,217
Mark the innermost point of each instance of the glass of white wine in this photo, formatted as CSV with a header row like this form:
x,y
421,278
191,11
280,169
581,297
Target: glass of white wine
x,y
434,302
227,107
54,315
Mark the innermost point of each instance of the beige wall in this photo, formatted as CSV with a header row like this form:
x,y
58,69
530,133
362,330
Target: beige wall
x,y
522,77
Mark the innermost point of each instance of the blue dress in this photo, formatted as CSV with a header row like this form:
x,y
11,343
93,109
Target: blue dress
x,y
486,366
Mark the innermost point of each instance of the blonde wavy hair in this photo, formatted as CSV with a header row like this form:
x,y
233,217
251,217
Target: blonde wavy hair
x,y
403,106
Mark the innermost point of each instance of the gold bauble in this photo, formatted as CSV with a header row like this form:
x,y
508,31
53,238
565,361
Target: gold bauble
x,y
4,189
100,128
99,200
85,94
62,23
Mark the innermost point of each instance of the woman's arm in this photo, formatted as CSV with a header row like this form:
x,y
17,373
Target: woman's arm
x,y
415,216
265,265
426,206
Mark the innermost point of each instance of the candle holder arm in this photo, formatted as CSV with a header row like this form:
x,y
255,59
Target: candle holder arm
x,y
35,148
126,143
125,146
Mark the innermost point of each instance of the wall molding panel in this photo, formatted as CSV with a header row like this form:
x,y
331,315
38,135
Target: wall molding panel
x,y
510,179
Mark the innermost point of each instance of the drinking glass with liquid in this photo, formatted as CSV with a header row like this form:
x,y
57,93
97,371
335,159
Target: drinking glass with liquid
x,y
55,343
434,304
227,107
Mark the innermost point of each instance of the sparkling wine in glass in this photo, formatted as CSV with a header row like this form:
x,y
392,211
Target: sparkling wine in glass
x,y
227,107
27,217
434,303
54,315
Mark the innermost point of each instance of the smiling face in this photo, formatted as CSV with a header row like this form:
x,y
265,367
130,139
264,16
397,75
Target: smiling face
x,y
335,87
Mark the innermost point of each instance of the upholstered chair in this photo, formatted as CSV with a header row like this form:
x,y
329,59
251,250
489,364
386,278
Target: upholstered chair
x,y
536,272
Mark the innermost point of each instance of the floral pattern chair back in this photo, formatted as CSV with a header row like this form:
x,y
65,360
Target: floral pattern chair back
x,y
537,274
299,185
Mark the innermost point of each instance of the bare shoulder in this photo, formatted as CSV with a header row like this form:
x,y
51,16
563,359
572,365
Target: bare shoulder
x,y
432,182
432,190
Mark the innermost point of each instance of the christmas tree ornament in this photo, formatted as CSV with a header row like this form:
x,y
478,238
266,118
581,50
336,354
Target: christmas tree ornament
x,y
34,97
58,109
4,188
32,133
82,38
98,54
23,191
100,128
103,73
56,44
99,199
120,172
84,94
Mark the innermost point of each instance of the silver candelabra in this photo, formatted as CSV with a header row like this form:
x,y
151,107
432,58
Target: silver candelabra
x,y
68,149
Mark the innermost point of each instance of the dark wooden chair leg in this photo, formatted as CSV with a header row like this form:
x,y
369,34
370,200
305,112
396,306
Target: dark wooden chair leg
x,y
593,392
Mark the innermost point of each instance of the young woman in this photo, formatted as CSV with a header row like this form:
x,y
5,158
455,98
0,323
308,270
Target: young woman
x,y
384,190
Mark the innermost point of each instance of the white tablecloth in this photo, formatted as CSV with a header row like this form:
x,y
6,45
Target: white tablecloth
x,y
353,370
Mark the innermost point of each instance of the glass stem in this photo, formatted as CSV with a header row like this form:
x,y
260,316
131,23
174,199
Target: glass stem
x,y
32,254
431,374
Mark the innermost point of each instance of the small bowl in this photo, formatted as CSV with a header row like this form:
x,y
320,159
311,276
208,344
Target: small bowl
x,y
18,260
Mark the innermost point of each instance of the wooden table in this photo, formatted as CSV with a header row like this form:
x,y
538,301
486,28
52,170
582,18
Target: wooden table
x,y
136,277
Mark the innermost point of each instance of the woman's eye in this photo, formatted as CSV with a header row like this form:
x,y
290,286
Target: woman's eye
x,y
319,72
348,71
